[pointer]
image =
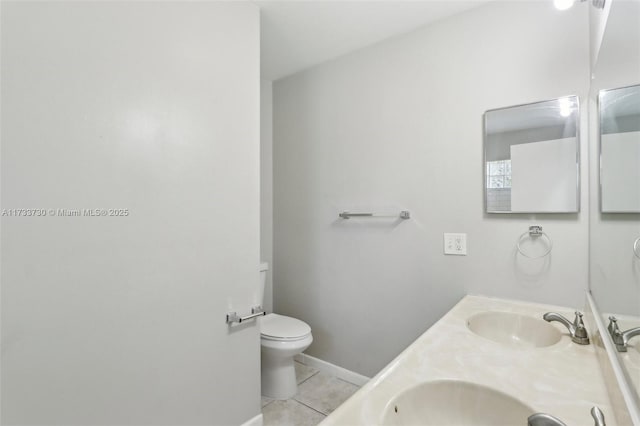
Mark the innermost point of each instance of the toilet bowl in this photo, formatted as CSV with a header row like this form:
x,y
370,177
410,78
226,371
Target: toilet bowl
x,y
281,338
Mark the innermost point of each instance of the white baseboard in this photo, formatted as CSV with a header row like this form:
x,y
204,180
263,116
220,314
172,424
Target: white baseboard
x,y
334,370
254,421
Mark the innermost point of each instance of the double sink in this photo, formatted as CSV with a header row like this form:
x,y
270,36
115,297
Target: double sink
x,y
457,403
486,362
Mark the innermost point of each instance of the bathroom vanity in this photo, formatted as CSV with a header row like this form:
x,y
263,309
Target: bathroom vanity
x,y
489,361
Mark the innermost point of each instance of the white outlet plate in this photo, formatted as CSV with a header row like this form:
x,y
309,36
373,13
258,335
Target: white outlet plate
x,y
455,244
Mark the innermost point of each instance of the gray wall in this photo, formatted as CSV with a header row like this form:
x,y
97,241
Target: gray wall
x,y
151,107
399,126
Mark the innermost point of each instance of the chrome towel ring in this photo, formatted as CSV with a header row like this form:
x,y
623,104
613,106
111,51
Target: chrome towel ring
x,y
636,247
534,232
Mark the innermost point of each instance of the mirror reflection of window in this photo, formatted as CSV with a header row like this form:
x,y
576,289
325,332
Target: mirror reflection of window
x,y
499,185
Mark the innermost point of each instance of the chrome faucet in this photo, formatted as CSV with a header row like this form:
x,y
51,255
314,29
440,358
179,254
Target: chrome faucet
x,y
621,338
543,419
577,330
598,416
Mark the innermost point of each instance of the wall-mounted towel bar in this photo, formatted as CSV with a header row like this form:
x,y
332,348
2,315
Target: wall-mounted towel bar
x,y
404,214
256,311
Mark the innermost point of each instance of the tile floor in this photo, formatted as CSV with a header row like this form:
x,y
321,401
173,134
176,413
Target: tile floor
x,y
318,395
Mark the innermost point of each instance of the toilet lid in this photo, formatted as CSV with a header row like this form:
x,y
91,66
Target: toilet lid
x,y
280,326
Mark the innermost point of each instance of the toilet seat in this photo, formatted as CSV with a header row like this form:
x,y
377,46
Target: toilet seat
x,y
281,327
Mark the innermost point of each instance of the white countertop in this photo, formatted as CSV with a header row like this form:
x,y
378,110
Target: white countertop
x,y
563,379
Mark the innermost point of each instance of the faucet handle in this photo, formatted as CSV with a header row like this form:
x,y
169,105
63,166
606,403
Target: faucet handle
x,y
616,334
598,416
613,324
613,328
580,329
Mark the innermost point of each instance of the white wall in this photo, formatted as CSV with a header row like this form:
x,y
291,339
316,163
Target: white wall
x,y
151,107
266,186
399,126
597,24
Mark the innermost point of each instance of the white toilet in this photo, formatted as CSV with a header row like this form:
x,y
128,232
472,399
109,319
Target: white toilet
x,y
281,338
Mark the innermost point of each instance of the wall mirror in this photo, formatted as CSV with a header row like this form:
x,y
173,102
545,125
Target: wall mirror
x,y
614,267
620,150
531,155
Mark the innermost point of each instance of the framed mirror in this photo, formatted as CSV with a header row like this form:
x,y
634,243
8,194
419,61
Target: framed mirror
x,y
614,255
531,158
620,150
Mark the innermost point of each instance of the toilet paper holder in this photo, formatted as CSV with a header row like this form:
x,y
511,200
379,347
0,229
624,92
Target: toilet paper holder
x,y
256,311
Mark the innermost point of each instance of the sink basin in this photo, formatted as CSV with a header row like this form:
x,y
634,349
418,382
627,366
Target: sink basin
x,y
454,403
514,330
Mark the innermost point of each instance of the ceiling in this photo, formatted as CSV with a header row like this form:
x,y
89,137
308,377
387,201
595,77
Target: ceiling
x,y
299,34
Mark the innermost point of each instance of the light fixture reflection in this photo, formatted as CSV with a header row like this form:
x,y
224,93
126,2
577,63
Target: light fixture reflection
x,y
563,4
566,108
